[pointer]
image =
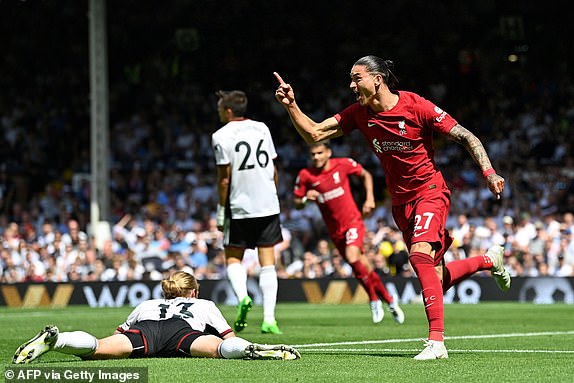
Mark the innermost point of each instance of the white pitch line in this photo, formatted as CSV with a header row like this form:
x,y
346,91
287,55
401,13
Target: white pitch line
x,y
382,341
365,350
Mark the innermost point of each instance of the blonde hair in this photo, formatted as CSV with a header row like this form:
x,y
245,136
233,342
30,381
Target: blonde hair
x,y
179,284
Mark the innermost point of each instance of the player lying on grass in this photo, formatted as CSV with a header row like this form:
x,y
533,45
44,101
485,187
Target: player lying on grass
x,y
180,325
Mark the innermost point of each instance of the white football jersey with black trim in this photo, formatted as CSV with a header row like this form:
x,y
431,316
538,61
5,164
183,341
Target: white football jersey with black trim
x,y
247,146
197,312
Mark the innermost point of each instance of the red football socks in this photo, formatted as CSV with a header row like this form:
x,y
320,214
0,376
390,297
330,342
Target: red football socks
x,y
432,293
380,289
457,271
362,276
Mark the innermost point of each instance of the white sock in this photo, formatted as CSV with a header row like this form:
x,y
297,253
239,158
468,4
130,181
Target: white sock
x,y
238,278
233,348
78,343
268,284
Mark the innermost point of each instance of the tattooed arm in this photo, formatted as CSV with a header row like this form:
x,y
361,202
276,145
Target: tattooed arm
x,y
473,145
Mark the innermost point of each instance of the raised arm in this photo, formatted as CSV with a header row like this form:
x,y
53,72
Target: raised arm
x,y
473,145
310,130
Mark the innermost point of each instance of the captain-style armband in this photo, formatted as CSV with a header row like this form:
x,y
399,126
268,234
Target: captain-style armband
x,y
488,172
220,216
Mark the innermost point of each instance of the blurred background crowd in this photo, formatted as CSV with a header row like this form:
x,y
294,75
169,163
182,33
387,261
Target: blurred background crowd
x,y
502,70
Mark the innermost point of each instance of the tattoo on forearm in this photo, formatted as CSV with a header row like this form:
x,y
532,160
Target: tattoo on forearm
x,y
472,144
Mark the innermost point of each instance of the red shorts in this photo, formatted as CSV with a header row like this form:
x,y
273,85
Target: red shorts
x,y
353,236
424,220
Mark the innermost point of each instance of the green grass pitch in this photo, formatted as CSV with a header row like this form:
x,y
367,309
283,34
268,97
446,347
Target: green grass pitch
x,y
487,342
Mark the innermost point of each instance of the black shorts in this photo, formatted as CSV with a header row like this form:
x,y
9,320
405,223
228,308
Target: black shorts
x,y
253,232
165,338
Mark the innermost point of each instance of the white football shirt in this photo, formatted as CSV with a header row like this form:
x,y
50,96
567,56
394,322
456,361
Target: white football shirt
x,y
248,148
197,312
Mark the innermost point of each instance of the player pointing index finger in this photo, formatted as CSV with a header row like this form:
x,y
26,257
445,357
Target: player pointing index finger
x,y
281,82
398,127
284,93
283,87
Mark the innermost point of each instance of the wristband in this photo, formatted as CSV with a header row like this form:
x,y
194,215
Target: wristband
x,y
304,200
488,172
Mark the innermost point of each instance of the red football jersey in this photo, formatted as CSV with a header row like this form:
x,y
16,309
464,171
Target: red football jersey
x,y
336,201
402,139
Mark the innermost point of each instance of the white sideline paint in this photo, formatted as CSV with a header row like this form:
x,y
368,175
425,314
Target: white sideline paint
x,y
310,347
376,350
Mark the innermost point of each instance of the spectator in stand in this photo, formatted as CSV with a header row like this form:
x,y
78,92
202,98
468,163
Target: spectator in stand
x,y
568,223
181,264
529,265
322,249
183,220
341,269
298,223
97,271
117,272
551,225
563,269
311,267
49,202
460,229
525,231
198,258
216,267
212,237
135,268
538,245
508,232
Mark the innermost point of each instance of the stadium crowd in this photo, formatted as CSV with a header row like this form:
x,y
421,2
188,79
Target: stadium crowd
x,y
162,176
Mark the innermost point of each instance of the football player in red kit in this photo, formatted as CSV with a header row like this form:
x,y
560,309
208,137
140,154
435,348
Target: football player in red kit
x,y
326,182
398,127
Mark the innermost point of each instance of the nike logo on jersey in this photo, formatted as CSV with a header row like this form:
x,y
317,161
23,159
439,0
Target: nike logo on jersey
x,y
419,234
316,183
371,124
